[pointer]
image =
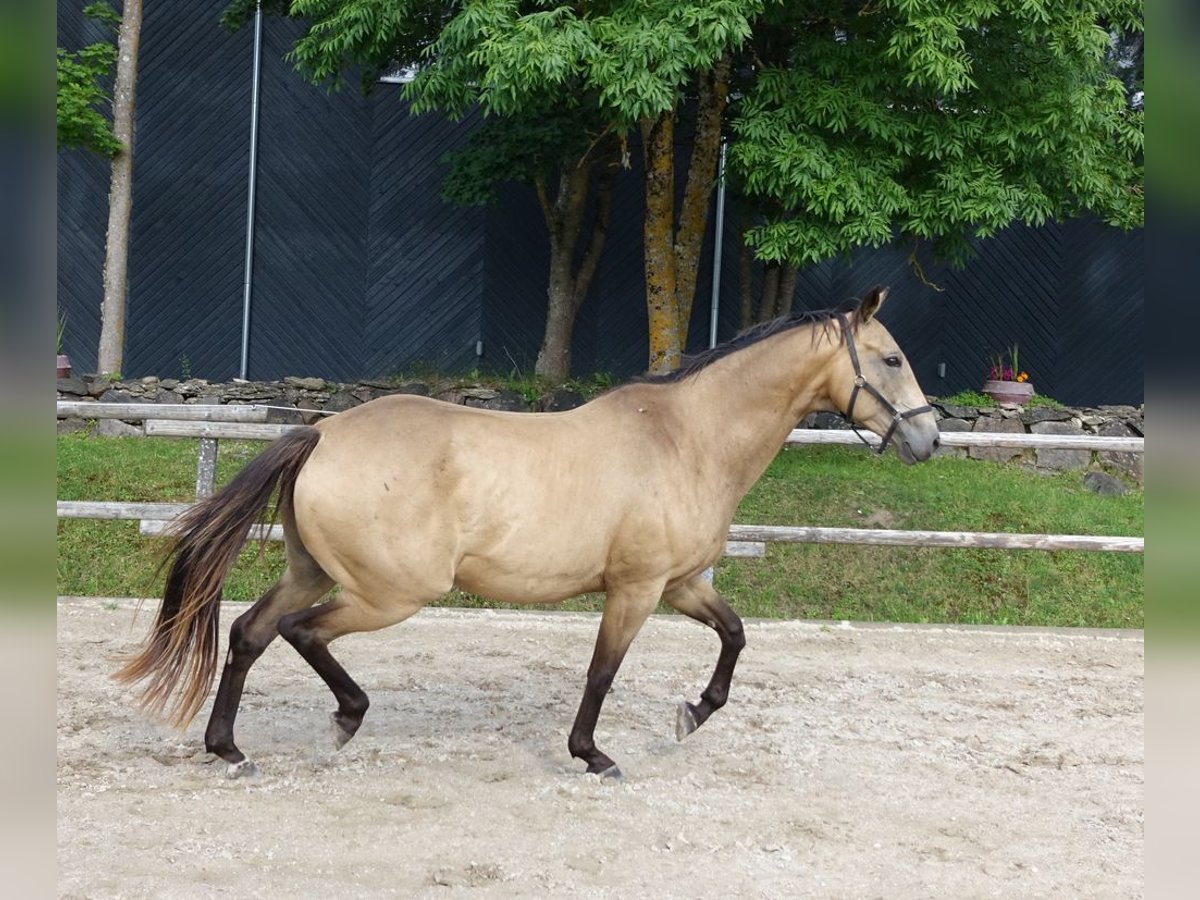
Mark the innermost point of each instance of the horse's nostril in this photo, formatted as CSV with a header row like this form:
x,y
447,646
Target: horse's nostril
x,y
937,442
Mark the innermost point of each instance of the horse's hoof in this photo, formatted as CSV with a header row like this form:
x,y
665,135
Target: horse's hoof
x,y
685,721
340,734
612,774
243,769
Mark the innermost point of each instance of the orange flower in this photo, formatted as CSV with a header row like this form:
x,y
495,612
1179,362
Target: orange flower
x,y
1024,376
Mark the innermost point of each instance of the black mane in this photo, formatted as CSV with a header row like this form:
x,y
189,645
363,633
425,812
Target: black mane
x,y
694,362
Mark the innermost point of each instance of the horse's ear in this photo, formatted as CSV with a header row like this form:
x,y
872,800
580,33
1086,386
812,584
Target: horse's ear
x,y
871,303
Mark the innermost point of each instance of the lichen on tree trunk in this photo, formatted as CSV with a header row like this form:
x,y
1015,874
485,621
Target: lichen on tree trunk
x,y
672,249
658,147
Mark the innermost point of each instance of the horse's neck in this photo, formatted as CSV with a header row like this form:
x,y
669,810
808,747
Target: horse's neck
x,y
751,399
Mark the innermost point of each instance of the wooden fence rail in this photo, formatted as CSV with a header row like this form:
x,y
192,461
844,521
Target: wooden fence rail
x,y
983,439
743,540
248,422
136,412
194,420
791,534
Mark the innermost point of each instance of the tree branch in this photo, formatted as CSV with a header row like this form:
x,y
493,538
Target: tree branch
x,y
591,257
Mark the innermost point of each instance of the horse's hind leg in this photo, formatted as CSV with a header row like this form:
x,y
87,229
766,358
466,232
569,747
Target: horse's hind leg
x,y
302,584
311,630
697,598
625,611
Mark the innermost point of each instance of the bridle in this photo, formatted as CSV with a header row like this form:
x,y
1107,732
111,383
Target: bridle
x,y
861,384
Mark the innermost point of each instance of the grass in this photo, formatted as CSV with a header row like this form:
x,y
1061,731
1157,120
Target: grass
x,y
835,486
974,398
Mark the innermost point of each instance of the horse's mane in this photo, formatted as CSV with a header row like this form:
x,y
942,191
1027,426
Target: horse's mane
x,y
695,362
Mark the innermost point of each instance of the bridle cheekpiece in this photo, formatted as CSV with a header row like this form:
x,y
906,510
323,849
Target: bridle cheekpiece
x,y
861,384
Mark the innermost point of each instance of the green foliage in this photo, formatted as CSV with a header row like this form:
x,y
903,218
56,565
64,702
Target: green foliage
x,y
630,59
522,147
853,124
940,122
1042,400
552,78
974,398
374,36
968,398
81,95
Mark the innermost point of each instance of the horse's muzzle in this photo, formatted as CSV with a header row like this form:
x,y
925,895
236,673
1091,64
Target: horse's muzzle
x,y
916,442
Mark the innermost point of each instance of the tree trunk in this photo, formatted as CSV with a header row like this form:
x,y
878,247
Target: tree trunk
x,y
554,356
672,255
568,288
713,88
746,316
120,196
770,292
787,288
658,146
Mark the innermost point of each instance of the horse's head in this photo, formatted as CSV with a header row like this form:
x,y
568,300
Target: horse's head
x,y
874,386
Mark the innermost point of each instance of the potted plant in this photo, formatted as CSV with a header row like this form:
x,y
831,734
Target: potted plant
x,y
1006,383
63,361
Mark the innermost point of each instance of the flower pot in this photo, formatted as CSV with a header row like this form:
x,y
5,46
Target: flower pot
x,y
64,366
1009,394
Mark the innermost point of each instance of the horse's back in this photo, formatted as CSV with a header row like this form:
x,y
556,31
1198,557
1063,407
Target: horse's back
x,y
519,506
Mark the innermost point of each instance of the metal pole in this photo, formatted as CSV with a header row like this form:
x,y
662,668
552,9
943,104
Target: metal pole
x,y
715,303
248,274
718,245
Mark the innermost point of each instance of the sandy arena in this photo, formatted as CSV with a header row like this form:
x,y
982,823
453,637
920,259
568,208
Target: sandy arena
x,y
851,762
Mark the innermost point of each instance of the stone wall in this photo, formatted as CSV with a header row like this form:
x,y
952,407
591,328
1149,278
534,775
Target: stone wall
x,y
304,400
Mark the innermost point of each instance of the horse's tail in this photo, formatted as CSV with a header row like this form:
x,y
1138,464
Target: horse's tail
x,y
181,650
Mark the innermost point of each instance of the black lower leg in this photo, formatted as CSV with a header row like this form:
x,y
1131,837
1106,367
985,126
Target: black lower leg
x,y
299,630
218,736
733,639
581,742
625,610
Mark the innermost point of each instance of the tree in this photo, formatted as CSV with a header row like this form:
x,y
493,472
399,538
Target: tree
x,y
643,61
552,140
855,123
111,356
82,124
623,65
934,123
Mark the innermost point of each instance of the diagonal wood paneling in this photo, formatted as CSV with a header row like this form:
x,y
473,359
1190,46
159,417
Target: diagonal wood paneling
x,y
190,159
425,278
310,252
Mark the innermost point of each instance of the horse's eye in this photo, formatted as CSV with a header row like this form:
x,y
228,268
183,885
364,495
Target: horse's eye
x,y
893,361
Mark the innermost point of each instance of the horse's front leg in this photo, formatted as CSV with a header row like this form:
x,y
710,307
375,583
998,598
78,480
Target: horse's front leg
x,y
698,599
625,610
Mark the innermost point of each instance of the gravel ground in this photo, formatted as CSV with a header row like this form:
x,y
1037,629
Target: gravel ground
x,y
851,761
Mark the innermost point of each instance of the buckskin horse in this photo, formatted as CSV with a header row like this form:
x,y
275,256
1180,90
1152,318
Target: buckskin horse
x,y
403,498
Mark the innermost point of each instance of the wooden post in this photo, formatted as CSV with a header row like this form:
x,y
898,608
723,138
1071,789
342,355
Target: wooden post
x,y
206,463
206,468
